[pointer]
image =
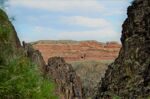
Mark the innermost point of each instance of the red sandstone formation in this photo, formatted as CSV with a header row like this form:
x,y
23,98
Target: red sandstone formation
x,y
78,50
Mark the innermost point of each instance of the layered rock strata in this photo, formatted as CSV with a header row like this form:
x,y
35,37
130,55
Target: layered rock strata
x,y
78,50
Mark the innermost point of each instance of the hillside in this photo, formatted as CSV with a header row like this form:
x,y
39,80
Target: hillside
x,y
24,74
20,77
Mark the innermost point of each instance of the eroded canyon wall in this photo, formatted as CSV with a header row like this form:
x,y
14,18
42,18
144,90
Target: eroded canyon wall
x,y
129,76
78,50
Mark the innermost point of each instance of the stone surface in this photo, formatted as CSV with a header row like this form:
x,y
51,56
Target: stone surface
x,y
68,83
129,76
35,56
84,57
78,50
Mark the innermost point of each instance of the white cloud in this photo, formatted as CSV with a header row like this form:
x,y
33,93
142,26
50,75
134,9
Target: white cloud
x,y
104,31
43,33
43,30
60,5
99,35
86,21
105,7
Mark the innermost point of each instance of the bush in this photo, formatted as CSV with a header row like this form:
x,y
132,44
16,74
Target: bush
x,y
3,34
20,79
116,97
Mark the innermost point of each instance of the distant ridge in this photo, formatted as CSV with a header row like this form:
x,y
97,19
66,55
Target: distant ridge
x,y
72,50
71,42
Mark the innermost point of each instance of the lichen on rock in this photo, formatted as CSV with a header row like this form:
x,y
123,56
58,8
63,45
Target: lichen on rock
x,y
129,76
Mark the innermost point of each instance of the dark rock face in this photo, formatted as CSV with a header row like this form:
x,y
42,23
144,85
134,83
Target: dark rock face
x,y
68,83
35,56
129,76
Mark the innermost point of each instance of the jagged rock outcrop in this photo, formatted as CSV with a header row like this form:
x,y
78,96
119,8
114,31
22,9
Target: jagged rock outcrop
x,y
68,83
34,55
78,50
129,76
84,57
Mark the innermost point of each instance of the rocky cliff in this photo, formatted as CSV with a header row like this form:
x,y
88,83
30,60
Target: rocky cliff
x,y
24,74
68,83
88,58
78,50
129,76
19,77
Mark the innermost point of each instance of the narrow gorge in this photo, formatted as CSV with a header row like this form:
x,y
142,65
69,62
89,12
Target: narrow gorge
x,y
67,69
89,59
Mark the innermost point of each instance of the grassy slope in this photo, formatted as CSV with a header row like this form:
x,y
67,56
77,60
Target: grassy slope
x,y
19,77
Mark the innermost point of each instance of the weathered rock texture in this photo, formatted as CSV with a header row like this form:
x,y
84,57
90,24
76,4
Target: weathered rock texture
x,y
129,76
78,51
83,55
68,83
35,56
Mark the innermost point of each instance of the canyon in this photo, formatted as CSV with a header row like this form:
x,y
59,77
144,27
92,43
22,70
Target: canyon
x,y
25,75
77,50
89,59
125,70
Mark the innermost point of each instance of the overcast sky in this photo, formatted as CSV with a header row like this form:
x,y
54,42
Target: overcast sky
x,y
99,20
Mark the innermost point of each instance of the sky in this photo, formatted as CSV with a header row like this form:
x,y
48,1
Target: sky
x,y
99,20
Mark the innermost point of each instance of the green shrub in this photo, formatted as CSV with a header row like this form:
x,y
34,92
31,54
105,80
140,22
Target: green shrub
x,y
4,33
20,79
116,97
